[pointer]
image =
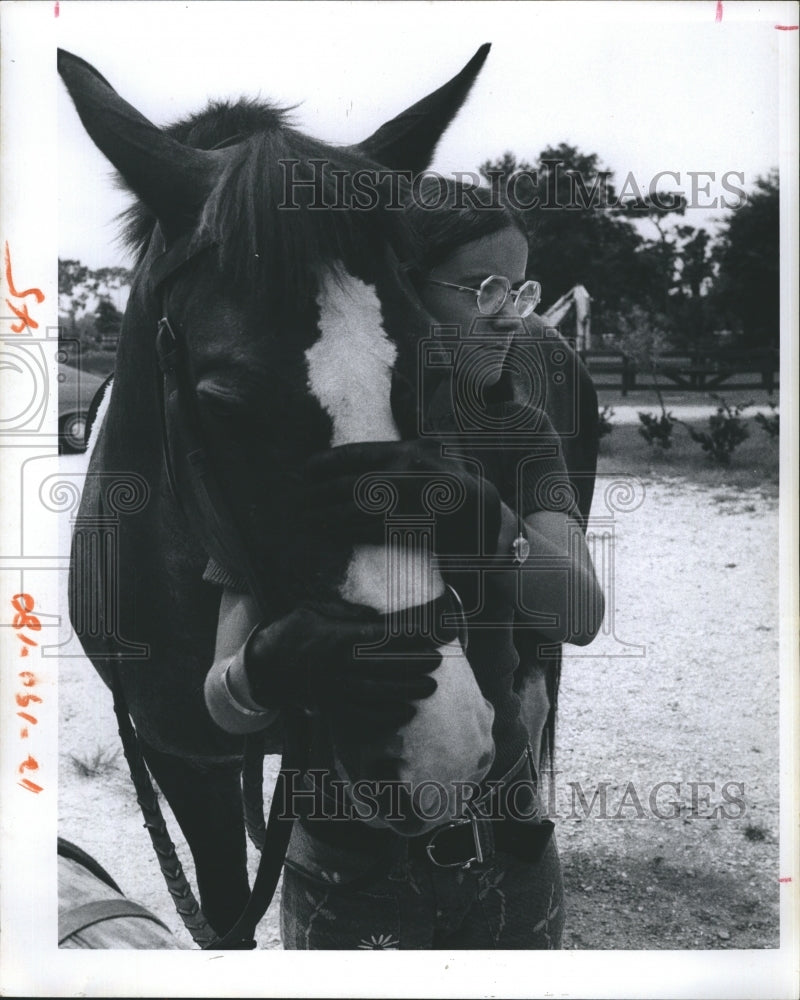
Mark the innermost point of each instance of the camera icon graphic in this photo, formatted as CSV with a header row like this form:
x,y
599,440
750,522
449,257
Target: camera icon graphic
x,y
458,375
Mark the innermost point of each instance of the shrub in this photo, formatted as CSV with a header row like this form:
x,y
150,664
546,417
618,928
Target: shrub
x,y
657,430
726,432
96,763
770,424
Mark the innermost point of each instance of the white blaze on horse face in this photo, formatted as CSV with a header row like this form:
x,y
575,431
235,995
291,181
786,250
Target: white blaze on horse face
x,y
350,374
350,366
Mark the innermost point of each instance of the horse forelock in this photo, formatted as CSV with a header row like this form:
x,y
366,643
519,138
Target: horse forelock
x,y
216,125
263,211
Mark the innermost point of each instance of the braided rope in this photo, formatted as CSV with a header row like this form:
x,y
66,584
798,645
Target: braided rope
x,y
171,868
253,790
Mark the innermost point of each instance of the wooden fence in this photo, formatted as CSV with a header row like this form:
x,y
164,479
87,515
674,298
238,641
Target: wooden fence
x,y
688,372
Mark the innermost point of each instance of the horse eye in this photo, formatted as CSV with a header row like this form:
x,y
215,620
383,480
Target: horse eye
x,y
221,405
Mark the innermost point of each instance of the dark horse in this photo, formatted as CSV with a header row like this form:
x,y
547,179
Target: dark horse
x,y
302,329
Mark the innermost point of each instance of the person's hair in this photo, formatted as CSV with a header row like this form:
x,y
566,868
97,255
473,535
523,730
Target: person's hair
x,y
443,215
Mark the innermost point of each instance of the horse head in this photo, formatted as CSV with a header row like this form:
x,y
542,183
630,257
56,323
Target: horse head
x,y
270,262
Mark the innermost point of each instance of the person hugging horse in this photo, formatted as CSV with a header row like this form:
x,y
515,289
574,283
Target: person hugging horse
x,y
459,853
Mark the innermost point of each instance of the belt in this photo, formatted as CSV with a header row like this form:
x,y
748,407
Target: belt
x,y
463,843
490,826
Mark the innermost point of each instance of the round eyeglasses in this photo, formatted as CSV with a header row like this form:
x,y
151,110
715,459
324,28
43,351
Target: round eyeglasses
x,y
494,291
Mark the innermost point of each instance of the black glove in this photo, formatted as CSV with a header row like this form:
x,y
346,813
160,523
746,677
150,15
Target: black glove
x,y
465,507
306,660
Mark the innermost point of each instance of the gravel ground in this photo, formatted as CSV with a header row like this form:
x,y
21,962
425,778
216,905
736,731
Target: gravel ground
x,y
682,686
694,585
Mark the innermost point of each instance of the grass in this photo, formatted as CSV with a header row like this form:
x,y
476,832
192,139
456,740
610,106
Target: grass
x,y
97,362
754,464
99,763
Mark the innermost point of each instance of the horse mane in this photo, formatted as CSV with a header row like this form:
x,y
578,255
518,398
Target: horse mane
x,y
265,244
218,124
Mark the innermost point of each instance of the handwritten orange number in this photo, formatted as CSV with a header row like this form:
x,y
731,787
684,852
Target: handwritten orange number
x,y
30,785
26,320
23,700
23,605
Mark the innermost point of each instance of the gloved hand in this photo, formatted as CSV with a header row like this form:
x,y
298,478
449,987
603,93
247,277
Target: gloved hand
x,y
306,660
468,526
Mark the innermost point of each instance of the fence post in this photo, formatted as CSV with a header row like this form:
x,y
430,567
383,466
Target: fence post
x,y
628,375
768,375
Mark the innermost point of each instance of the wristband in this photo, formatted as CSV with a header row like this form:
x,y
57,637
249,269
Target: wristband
x,y
225,708
235,702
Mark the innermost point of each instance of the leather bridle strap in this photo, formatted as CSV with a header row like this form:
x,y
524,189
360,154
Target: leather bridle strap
x,y
209,511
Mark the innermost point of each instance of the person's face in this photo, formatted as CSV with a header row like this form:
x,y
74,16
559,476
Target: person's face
x,y
505,253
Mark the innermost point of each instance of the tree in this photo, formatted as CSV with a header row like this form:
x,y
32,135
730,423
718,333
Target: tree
x,y
696,265
692,313
112,281
746,289
76,284
108,319
581,230
79,289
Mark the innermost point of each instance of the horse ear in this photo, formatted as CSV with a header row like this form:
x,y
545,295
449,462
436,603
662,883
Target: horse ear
x,y
408,141
173,180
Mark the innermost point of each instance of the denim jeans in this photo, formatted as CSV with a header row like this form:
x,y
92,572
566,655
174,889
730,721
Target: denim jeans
x,y
502,903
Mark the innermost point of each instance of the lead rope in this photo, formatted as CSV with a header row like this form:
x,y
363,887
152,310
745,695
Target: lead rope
x,y
253,791
277,833
178,885
273,845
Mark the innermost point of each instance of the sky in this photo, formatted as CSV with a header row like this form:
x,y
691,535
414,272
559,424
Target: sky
x,y
649,87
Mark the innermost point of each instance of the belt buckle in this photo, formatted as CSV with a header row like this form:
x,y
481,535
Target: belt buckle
x,y
473,821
